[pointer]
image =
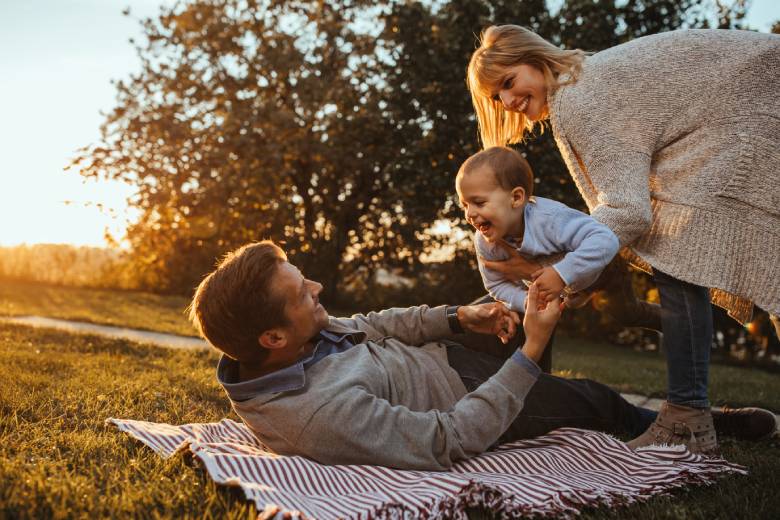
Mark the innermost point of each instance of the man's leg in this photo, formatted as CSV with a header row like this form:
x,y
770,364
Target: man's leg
x,y
493,346
554,402
621,303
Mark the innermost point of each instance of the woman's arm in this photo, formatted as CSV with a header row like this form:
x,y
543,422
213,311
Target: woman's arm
x,y
515,269
622,184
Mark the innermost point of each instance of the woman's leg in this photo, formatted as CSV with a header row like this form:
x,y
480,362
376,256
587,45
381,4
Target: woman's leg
x,y
686,317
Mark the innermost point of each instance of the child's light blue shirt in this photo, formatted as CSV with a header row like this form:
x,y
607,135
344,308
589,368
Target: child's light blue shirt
x,y
576,245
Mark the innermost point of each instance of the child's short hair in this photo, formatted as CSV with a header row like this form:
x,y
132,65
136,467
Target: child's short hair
x,y
234,304
509,168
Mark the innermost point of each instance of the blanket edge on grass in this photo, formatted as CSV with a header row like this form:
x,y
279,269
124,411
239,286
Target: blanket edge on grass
x,y
448,494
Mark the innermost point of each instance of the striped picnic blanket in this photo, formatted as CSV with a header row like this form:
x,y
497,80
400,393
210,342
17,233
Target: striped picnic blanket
x,y
556,474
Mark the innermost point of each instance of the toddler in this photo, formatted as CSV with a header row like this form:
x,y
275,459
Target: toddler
x,y
495,188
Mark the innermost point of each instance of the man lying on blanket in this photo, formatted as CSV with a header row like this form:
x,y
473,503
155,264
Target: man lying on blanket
x,y
393,388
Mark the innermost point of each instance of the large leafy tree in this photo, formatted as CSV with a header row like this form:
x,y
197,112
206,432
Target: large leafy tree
x,y
333,126
252,119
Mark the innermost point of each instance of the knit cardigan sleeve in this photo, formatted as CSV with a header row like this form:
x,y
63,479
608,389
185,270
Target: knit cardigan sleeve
x,y
608,154
622,185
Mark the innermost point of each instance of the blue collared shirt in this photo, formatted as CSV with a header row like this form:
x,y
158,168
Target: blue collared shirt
x,y
282,380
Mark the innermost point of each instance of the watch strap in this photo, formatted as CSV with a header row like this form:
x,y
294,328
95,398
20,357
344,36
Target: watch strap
x,y
452,319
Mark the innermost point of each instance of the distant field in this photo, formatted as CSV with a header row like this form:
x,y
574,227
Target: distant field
x,y
121,308
58,460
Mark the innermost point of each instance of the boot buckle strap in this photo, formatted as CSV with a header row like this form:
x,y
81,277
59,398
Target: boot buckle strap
x,y
680,429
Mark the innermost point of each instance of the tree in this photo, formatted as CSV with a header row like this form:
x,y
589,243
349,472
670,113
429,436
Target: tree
x,y
335,127
249,120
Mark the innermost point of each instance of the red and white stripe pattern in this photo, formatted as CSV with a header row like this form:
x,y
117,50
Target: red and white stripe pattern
x,y
556,474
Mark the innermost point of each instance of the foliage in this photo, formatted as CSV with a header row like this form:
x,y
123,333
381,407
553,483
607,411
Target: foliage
x,y
334,127
59,460
254,119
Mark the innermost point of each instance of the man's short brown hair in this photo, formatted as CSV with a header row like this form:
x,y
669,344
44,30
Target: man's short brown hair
x,y
509,168
234,304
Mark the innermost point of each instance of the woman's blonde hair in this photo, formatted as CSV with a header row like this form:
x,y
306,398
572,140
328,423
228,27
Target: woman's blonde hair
x,y
503,46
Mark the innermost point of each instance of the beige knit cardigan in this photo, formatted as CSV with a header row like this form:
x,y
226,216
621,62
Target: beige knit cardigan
x,y
674,142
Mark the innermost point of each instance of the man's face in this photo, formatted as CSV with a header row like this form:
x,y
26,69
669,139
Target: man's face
x,y
305,315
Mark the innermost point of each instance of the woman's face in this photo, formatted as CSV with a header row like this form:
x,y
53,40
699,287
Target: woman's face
x,y
523,89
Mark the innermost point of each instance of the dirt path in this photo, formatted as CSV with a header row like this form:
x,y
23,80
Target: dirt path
x,y
141,336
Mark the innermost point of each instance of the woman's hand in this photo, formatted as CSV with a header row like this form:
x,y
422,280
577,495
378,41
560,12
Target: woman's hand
x,y
516,268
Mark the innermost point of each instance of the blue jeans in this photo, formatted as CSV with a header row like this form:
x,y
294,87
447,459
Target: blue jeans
x,y
686,319
554,402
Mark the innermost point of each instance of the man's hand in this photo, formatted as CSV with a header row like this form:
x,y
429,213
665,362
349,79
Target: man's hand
x,y
516,268
489,318
549,283
538,323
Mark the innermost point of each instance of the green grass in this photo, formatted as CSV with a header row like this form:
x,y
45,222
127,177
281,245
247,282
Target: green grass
x,y
620,367
644,373
57,459
133,309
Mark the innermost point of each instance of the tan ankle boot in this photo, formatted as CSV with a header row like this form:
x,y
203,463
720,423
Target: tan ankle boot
x,y
677,424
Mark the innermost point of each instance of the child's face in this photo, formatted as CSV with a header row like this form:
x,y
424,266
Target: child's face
x,y
524,90
492,210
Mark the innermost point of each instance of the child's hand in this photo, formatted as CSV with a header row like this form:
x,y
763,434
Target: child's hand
x,y
549,283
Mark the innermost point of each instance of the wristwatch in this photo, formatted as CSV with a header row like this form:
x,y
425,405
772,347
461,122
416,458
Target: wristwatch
x,y
452,319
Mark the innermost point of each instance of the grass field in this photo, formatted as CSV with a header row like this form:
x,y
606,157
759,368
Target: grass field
x,y
57,459
645,373
133,309
620,367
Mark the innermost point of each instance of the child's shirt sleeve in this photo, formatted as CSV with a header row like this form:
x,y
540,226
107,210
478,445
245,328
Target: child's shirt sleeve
x,y
513,295
590,244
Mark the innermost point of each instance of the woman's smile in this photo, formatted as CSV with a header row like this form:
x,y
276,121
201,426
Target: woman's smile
x,y
523,91
521,105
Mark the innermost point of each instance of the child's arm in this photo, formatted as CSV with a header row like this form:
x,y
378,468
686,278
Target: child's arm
x,y
591,246
499,287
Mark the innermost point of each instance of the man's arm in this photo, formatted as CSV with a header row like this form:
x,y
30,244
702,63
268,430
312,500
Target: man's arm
x,y
360,428
418,325
411,325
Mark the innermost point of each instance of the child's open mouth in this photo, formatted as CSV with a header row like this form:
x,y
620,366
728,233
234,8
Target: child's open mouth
x,y
484,227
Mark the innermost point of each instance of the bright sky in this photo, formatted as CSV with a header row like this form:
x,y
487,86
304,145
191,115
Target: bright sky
x,y
57,58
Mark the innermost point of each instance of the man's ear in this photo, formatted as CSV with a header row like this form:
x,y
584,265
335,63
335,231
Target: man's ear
x,y
518,196
273,339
